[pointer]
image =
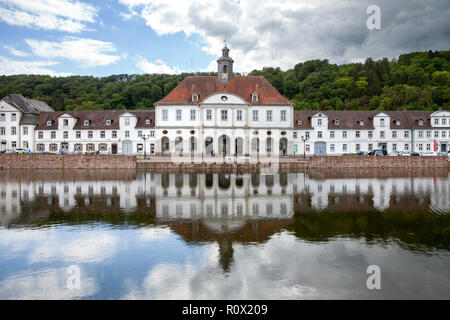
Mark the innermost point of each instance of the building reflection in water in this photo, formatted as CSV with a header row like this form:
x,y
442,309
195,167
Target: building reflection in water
x,y
223,208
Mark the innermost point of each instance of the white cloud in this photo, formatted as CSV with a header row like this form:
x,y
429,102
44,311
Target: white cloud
x,y
85,52
285,32
158,66
63,15
15,52
11,67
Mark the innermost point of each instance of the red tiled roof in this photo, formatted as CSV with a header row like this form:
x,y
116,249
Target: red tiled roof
x,y
243,87
351,119
97,119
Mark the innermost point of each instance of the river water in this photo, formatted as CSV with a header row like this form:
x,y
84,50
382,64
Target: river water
x,y
126,234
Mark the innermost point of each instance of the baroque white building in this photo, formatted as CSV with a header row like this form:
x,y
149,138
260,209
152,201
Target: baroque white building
x,y
216,116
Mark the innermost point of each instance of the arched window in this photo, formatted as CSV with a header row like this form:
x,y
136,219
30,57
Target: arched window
x,y
225,69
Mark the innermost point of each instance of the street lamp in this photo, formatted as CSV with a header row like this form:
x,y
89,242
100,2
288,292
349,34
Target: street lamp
x,y
304,139
145,138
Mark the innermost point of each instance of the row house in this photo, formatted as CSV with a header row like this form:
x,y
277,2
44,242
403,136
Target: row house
x,y
100,132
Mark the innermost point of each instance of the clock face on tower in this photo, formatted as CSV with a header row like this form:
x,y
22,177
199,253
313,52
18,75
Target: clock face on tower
x,y
224,75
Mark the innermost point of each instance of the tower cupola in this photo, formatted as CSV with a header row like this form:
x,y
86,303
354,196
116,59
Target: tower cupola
x,y
225,66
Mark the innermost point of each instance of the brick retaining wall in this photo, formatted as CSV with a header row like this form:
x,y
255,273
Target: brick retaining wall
x,y
57,161
50,161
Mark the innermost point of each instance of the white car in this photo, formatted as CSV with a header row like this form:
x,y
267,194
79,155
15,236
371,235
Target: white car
x,y
405,153
19,150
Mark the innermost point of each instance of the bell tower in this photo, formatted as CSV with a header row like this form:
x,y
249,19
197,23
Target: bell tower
x,y
225,66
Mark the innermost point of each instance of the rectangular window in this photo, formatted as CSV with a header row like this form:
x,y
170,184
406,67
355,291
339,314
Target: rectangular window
x,y
25,131
102,147
344,147
370,134
436,134
53,147
40,135
307,134
13,144
307,148
13,131
165,115
78,147
444,121
269,115
344,134
178,115
428,134
53,135
358,134
208,114
66,135
394,147
13,117
78,134
420,147
139,134
294,135
428,146
65,122
406,146
127,134
406,133
193,114
358,147
319,122
127,122
382,122
90,147
420,134
114,134
255,115
152,133
40,147
224,115
394,134
443,134
283,115
370,147
239,115
90,134
332,147
382,135
2,117
102,134
332,134
436,121
2,130
319,134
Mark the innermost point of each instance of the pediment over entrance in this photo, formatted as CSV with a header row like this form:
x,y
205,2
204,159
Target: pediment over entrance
x,y
224,98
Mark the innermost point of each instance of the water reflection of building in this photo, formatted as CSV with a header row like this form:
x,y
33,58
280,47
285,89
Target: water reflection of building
x,y
222,201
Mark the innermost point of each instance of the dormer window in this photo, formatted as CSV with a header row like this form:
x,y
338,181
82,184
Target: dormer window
x,y
86,122
299,122
148,121
420,122
361,123
254,96
108,122
397,122
195,97
49,123
336,122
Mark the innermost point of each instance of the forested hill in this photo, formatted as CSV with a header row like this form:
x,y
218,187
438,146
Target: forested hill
x,y
419,80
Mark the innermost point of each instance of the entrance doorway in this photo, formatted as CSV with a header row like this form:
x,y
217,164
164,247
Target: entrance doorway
x,y
444,147
127,147
283,146
114,148
320,149
64,147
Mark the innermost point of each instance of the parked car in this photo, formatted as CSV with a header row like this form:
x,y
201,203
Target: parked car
x,y
415,154
362,153
427,154
405,153
394,154
20,150
9,151
442,154
376,153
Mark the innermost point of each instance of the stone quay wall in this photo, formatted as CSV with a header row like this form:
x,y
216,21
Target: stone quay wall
x,y
164,164
58,161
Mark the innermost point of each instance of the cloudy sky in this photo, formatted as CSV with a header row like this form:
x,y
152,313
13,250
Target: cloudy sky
x,y
88,37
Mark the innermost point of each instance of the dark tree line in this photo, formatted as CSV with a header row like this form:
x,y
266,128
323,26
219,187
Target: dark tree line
x,y
418,80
